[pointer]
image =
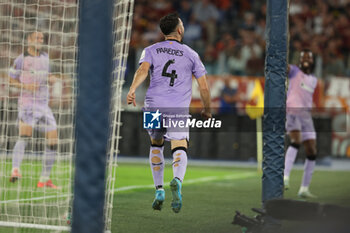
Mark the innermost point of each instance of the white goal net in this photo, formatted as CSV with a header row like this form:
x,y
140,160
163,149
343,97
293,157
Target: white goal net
x,y
31,118
38,60
122,23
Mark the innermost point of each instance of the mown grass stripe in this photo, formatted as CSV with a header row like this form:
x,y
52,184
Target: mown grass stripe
x,y
134,187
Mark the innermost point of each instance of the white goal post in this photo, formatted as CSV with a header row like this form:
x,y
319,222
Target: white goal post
x,y
122,24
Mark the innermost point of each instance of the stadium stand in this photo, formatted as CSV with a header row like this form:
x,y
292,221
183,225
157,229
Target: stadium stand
x,y
230,38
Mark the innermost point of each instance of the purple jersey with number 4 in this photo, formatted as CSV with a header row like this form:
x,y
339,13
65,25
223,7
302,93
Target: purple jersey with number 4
x,y
172,66
32,70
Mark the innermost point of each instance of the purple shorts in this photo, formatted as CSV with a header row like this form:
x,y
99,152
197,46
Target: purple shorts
x,y
303,123
40,118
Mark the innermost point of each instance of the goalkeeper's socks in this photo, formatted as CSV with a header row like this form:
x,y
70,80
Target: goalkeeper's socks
x,y
48,161
18,152
179,162
309,167
156,160
291,154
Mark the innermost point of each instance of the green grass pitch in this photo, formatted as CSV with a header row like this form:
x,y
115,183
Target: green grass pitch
x,y
210,197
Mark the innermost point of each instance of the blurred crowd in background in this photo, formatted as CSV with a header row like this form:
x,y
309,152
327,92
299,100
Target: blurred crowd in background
x,y
229,35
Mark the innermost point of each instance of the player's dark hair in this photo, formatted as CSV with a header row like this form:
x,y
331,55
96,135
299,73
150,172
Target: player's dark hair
x,y
169,23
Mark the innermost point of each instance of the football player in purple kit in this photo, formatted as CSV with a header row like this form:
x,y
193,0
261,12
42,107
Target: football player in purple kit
x,y
299,124
171,65
30,74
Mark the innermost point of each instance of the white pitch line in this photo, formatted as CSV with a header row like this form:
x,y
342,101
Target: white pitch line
x,y
133,187
192,181
36,198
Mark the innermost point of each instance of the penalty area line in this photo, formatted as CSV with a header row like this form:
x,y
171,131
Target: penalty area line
x,y
238,176
194,181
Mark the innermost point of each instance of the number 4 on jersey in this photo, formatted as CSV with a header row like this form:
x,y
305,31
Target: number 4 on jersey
x,y
171,75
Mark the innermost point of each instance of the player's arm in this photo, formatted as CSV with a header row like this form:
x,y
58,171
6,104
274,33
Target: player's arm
x,y
292,70
26,86
14,74
140,76
205,95
54,78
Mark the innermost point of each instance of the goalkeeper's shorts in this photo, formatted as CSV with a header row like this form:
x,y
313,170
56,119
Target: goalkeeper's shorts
x,y
40,118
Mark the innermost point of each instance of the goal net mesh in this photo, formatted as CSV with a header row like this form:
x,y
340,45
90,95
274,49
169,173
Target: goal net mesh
x,y
24,205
